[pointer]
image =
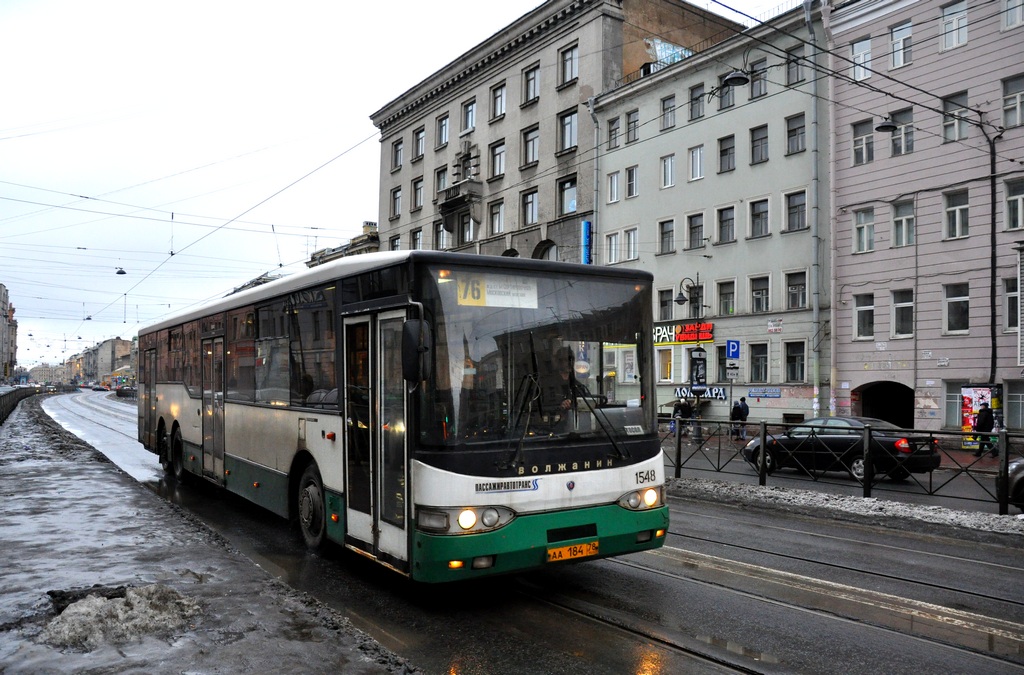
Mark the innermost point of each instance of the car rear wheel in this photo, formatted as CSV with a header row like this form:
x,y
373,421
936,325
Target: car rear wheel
x,y
857,468
769,461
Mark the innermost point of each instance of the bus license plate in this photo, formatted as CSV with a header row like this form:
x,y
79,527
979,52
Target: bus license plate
x,y
584,550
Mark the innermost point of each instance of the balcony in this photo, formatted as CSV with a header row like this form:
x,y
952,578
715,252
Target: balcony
x,y
459,196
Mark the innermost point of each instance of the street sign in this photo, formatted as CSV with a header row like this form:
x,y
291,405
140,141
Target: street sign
x,y
732,349
732,370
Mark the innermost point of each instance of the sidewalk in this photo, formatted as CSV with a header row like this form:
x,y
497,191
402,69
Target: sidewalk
x,y
169,595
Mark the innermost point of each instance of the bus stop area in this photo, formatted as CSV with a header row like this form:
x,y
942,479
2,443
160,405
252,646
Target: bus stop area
x,y
100,574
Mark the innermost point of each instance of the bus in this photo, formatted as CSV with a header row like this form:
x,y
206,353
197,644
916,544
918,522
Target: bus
x,y
449,416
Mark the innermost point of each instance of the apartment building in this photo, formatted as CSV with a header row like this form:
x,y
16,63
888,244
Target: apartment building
x,y
928,206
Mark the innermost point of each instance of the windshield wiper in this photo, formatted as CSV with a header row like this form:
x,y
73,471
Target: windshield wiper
x,y
529,391
580,391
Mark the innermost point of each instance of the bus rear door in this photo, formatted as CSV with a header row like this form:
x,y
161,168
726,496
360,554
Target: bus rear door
x,y
213,409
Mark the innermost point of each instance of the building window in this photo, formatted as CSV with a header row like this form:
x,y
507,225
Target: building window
x,y
570,59
396,202
632,186
954,25
861,55
903,224
612,244
759,78
666,236
419,143
567,131
759,303
726,224
668,171
469,115
759,362
1015,205
726,93
902,313
440,237
903,136
441,180
796,290
632,243
795,361
1011,304
1013,15
531,84
531,146
416,239
863,143
665,305
613,187
695,307
1013,101
567,196
496,213
442,131
632,126
864,316
397,149
697,162
899,36
498,99
796,211
613,133
696,102
957,208
664,364
695,231
498,159
956,308
795,65
759,144
954,120
395,244
726,298
668,112
863,230
795,134
531,208
726,154
720,364
759,218
417,194
466,229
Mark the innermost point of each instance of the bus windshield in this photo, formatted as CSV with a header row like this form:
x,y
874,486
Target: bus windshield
x,y
521,356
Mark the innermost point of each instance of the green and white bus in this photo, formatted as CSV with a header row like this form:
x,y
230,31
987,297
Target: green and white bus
x,y
450,416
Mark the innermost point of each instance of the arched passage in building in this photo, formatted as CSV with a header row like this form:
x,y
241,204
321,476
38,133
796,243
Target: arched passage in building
x,y
889,401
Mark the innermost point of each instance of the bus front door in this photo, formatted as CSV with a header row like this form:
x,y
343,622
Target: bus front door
x,y
376,487
213,409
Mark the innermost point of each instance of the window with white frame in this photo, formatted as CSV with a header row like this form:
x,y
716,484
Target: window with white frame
x,y
440,237
531,208
726,298
665,304
696,102
666,236
695,230
1013,13
795,134
863,143
695,307
957,215
759,144
697,162
720,364
531,146
668,112
759,298
632,126
417,194
861,56
467,229
899,38
864,316
664,356
726,154
498,101
726,224
954,117
759,218
613,133
759,78
612,247
469,115
567,131
1011,304
864,230
954,25
395,243
567,196
419,143
496,214
632,177
396,202
441,180
531,84
903,224
796,211
416,239
1013,101
668,171
613,187
796,290
759,362
632,244
726,93
903,135
903,313
795,65
570,60
1015,205
498,159
956,308
441,134
795,361
397,150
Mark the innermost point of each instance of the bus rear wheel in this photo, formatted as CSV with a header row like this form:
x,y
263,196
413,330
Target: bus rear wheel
x,y
310,507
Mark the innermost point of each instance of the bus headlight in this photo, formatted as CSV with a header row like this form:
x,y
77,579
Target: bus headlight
x,y
465,520
642,499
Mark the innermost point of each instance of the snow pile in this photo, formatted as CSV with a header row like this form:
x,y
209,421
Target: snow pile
x,y
838,505
97,620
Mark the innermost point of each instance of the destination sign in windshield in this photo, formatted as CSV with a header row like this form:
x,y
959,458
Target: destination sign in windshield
x,y
496,290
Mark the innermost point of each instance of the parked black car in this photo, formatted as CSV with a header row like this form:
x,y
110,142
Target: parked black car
x,y
1015,483
837,444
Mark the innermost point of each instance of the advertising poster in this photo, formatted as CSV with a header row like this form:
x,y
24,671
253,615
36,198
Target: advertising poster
x,y
971,398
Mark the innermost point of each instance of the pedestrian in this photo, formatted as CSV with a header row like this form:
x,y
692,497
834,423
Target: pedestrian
x,y
744,413
984,421
682,411
735,415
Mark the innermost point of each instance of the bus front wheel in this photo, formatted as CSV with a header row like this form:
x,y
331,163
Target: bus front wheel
x,y
177,450
310,505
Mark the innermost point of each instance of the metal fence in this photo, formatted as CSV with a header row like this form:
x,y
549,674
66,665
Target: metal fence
x,y
966,468
9,400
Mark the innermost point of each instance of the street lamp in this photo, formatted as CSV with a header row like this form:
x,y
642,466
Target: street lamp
x,y
886,126
696,294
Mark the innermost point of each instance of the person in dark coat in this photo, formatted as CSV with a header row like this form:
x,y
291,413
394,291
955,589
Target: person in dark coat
x,y
736,416
744,413
682,411
984,421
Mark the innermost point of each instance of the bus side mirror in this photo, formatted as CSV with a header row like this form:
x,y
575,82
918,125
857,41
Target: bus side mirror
x,y
417,344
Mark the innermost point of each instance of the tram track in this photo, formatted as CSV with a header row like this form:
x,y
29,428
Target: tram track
x,y
74,404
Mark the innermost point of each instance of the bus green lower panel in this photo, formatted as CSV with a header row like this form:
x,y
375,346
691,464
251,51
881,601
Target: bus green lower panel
x,y
258,484
523,544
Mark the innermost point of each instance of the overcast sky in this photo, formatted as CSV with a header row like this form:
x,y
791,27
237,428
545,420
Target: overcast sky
x,y
196,144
